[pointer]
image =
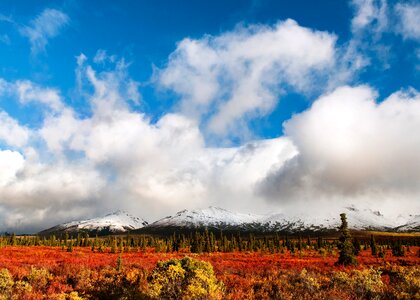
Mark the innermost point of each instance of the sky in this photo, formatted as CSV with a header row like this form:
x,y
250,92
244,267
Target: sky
x,y
253,106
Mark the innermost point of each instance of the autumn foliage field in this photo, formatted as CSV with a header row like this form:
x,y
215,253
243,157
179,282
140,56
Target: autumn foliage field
x,y
41,272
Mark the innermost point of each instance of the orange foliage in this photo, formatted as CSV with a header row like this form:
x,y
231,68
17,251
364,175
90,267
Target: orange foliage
x,y
55,271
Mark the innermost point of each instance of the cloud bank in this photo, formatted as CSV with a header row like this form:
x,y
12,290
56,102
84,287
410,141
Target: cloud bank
x,y
349,147
116,158
352,149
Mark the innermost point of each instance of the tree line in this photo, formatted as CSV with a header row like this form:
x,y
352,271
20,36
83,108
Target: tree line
x,y
209,241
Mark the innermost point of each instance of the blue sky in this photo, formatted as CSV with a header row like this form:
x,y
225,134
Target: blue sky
x,y
164,103
146,33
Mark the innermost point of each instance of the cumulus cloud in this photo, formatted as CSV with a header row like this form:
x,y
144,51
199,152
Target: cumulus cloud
x,y
347,147
11,132
11,162
241,74
117,158
44,27
352,149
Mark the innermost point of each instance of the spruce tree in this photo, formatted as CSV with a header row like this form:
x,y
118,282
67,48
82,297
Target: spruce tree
x,y
357,247
114,246
345,245
373,247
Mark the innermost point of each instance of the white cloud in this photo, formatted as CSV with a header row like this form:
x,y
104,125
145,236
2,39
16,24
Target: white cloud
x,y
409,21
102,57
11,132
367,48
30,92
45,26
241,74
26,92
117,158
11,163
371,15
352,149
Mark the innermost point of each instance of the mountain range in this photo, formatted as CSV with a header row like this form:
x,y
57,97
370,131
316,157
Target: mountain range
x,y
216,218
117,222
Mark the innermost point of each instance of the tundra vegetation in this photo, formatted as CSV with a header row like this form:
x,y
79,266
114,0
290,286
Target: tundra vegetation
x,y
211,265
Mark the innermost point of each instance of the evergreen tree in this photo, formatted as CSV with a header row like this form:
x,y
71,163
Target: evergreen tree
x,y
345,245
373,247
357,247
119,263
398,249
319,243
66,237
299,246
70,247
114,246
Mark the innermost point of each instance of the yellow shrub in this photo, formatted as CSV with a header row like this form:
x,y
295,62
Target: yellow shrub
x,y
6,284
365,284
38,278
406,281
21,289
186,278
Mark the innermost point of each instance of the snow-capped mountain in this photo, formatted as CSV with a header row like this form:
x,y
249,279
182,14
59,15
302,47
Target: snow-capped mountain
x,y
213,217
117,222
208,217
413,224
218,218
358,219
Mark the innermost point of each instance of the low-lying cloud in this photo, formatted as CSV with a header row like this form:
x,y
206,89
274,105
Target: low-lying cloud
x,y
352,149
117,159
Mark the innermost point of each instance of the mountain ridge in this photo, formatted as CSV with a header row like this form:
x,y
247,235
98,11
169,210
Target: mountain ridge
x,y
119,221
220,218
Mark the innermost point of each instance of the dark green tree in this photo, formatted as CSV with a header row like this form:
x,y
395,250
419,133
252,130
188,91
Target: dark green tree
x,y
345,245
357,247
398,249
373,247
319,243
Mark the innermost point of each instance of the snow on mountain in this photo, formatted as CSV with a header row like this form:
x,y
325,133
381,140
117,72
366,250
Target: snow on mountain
x,y
413,224
211,216
119,221
357,218
214,217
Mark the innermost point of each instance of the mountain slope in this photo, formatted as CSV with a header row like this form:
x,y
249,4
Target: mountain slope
x,y
208,217
218,218
413,224
117,222
358,219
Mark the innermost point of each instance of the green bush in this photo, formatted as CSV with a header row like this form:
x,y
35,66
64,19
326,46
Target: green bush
x,y
184,279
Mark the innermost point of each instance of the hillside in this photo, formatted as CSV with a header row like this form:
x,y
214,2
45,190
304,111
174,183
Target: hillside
x,y
117,222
